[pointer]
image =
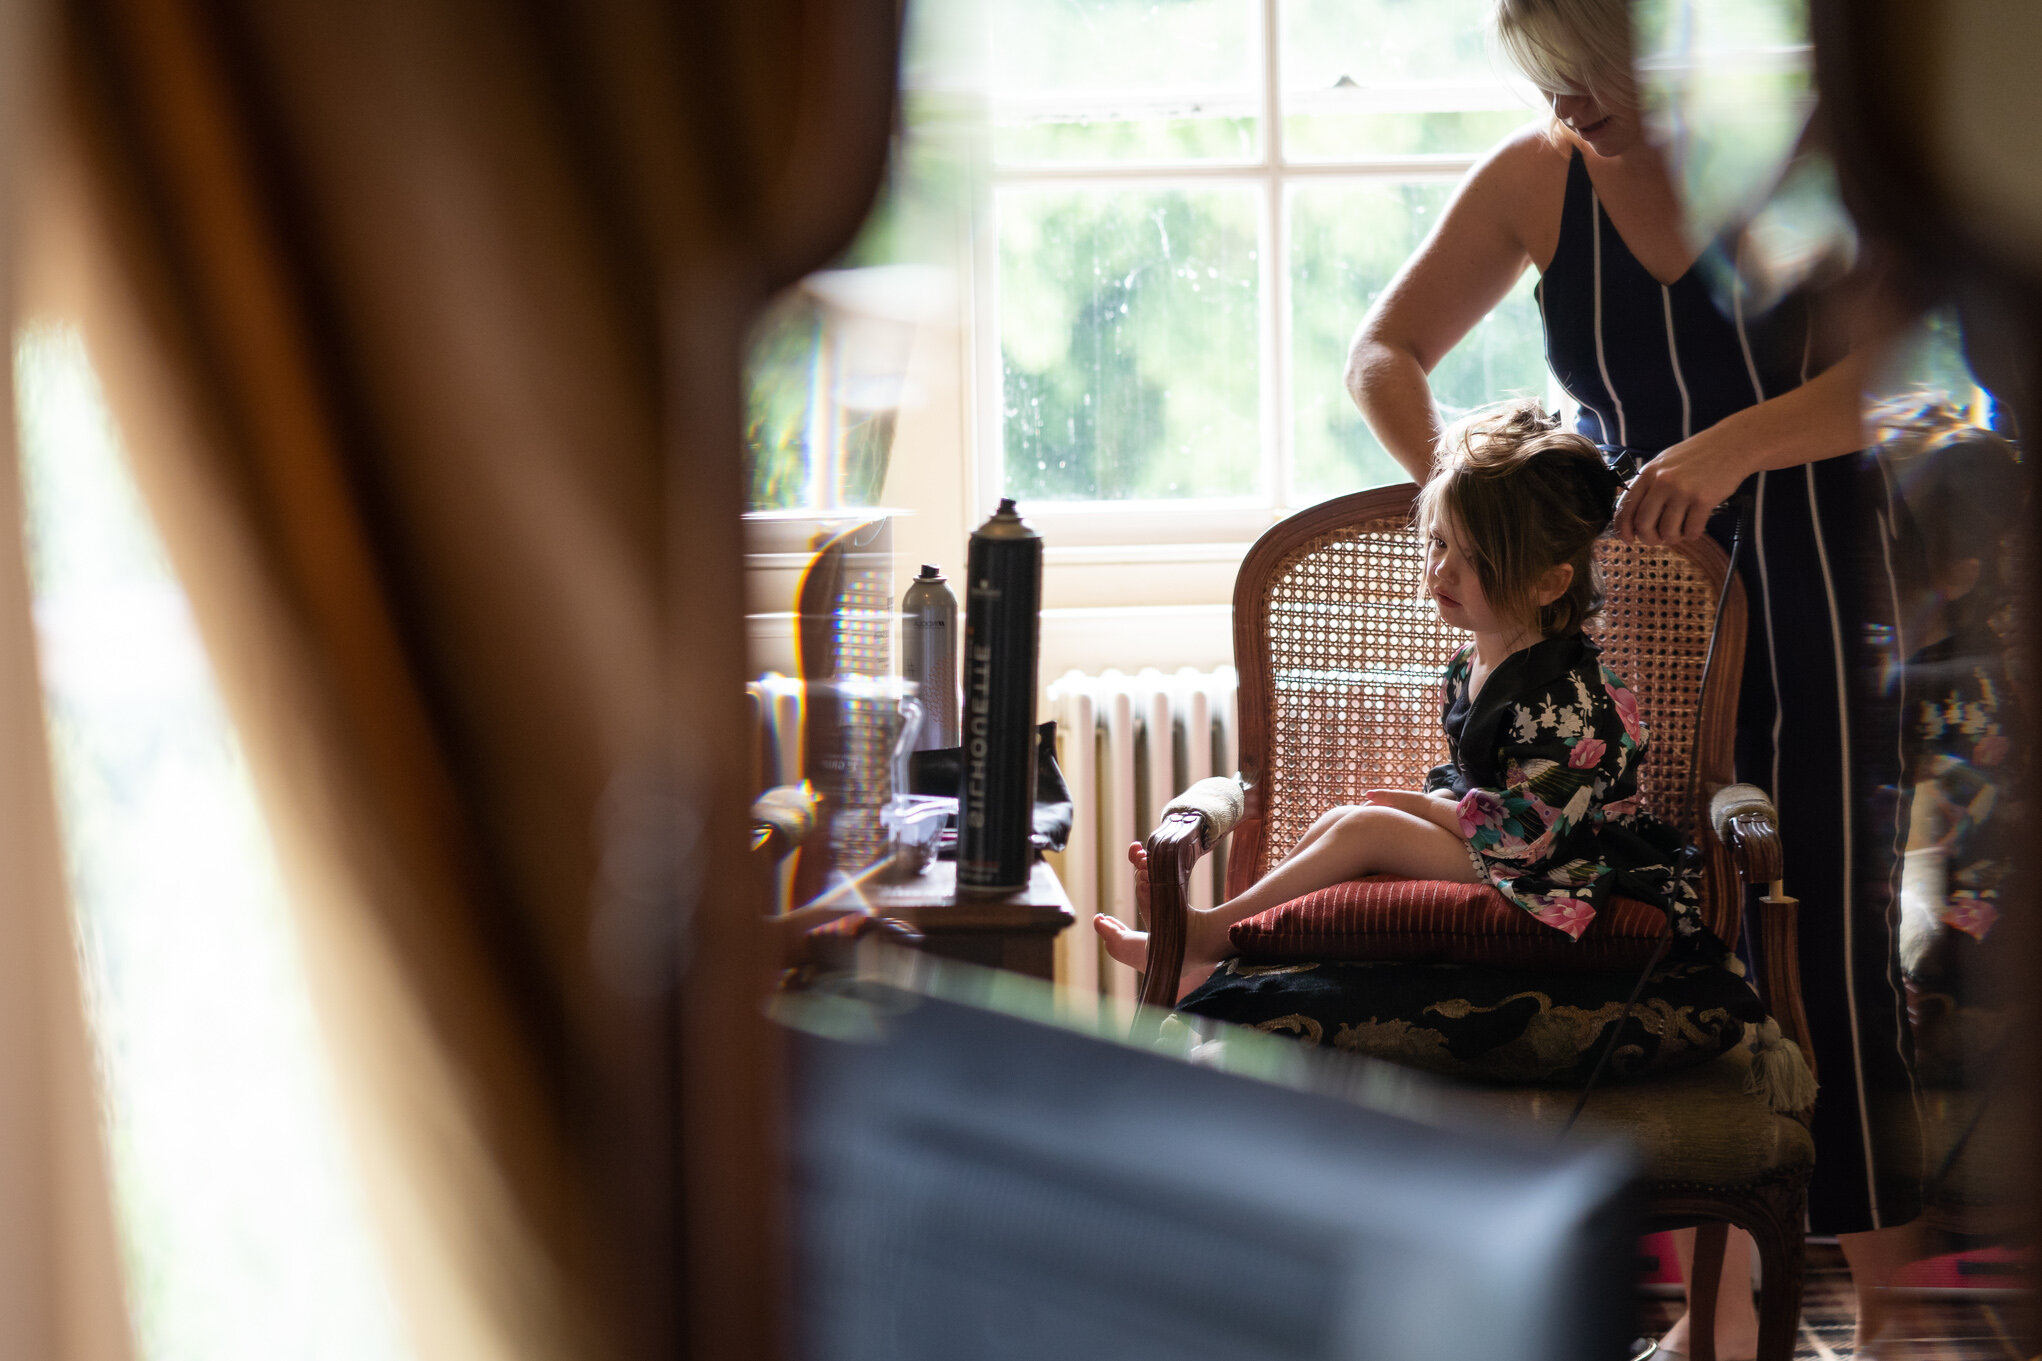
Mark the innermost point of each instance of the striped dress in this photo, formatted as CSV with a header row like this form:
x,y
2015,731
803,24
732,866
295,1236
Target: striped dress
x,y
1651,364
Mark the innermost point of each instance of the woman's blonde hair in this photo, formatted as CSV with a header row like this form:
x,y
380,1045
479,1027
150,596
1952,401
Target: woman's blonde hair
x,y
1525,496
1571,46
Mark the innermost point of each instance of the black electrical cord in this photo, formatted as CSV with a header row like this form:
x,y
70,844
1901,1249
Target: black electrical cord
x,y
1625,464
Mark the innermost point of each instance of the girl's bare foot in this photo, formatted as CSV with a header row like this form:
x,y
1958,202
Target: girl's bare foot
x,y
1125,945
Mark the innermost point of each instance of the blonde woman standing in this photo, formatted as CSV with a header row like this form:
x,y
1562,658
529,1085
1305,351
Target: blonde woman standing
x,y
1711,400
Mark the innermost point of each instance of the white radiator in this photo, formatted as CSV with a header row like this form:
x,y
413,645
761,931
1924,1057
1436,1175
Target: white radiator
x,y
776,729
776,758
1128,745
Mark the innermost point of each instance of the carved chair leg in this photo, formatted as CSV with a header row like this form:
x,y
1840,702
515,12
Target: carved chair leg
x,y
1704,1287
1781,1257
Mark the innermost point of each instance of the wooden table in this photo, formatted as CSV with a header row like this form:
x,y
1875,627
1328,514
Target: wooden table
x,y
1016,932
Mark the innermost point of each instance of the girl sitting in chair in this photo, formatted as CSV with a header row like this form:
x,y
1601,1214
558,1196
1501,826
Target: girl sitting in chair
x,y
1540,797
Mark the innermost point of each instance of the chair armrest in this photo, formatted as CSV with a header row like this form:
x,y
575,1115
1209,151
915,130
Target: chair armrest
x,y
1779,936
1747,823
1749,826
1192,824
782,818
1174,848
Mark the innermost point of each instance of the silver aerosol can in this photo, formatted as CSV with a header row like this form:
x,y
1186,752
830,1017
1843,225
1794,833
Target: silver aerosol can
x,y
928,629
1002,624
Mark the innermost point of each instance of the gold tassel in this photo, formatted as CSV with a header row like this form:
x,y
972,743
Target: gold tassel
x,y
1779,1073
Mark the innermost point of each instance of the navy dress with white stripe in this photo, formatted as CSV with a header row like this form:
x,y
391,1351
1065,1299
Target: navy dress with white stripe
x,y
1652,364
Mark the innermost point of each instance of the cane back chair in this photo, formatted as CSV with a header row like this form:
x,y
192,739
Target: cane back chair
x,y
1340,660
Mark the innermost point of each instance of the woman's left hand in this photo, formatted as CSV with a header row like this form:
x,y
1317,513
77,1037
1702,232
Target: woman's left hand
x,y
1674,495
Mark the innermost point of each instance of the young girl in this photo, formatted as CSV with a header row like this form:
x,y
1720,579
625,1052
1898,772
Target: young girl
x,y
1539,800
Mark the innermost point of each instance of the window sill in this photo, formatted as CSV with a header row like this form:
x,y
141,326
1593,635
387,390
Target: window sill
x,y
1143,554
1149,524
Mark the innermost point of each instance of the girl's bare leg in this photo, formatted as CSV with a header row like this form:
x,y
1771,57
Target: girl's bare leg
x,y
1319,826
1365,839
1736,1315
1343,844
1874,1257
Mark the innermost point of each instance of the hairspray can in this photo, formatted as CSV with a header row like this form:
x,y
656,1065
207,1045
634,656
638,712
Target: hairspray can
x,y
1002,619
929,646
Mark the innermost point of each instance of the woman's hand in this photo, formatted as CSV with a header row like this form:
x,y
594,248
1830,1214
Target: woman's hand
x,y
1674,495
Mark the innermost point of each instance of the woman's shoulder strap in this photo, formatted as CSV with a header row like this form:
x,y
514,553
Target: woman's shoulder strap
x,y
1577,214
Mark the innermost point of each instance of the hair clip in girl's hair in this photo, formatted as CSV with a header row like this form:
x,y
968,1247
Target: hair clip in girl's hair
x,y
1621,463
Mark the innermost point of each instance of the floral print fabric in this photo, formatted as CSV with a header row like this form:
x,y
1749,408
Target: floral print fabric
x,y
1545,767
1961,767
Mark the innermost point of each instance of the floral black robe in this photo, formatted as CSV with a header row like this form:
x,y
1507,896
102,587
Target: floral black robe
x,y
1960,764
1545,766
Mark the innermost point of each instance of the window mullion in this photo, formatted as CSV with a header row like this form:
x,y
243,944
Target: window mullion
x,y
1274,456
987,476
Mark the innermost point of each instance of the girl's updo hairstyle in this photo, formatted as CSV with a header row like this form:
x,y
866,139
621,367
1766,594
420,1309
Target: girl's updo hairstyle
x,y
1524,496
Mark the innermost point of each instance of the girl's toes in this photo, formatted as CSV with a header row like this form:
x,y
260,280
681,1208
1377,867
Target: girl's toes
x,y
1123,946
1138,856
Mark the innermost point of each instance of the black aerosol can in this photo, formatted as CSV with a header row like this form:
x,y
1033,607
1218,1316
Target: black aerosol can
x,y
1002,621
928,629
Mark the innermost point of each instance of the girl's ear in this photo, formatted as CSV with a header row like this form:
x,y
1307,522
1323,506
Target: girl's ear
x,y
1553,583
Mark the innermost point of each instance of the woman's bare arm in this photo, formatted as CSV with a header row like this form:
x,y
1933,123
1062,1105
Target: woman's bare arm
x,y
1674,494
1461,271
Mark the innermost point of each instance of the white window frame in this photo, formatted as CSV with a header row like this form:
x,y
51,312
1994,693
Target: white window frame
x,y
1146,528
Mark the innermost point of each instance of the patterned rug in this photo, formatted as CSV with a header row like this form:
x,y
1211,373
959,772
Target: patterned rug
x,y
2000,1328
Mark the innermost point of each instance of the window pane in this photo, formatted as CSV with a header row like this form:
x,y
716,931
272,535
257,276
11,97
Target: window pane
x,y
243,1221
1125,80
920,218
1368,78
1129,343
1347,241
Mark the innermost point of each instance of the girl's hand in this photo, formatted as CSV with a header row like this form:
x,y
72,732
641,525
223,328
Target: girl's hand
x,y
1439,812
1403,800
1673,496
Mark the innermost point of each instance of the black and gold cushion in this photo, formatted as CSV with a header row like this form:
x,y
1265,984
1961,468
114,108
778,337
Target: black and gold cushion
x,y
1498,1025
1698,1127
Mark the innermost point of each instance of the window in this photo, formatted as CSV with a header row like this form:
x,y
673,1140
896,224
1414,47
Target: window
x,y
827,371
244,1225
1194,203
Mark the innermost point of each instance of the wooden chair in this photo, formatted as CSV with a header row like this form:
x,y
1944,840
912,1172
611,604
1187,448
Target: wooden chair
x,y
1340,662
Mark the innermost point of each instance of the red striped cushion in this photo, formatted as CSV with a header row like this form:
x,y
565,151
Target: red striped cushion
x,y
1440,922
